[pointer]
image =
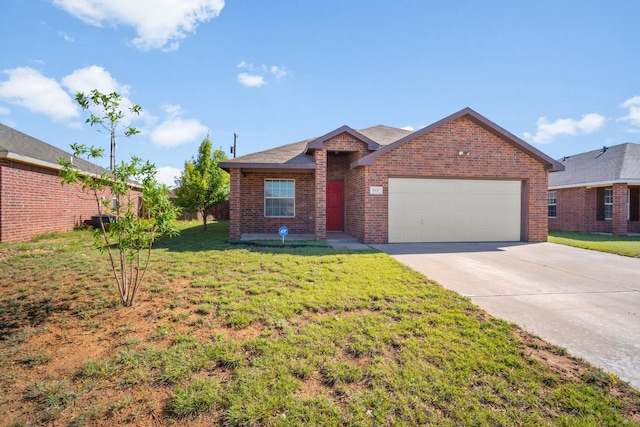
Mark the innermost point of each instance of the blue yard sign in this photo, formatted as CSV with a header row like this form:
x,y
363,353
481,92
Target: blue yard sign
x,y
283,232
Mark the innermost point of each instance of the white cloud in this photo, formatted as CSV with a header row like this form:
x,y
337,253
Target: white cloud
x,y
278,72
158,24
66,37
4,111
29,88
172,110
408,128
633,104
175,130
251,80
93,77
546,131
256,75
167,175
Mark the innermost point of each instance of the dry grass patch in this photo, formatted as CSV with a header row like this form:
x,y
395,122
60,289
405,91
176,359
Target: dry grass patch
x,y
240,336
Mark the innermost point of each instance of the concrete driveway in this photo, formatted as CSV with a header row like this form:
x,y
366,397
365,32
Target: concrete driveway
x,y
585,301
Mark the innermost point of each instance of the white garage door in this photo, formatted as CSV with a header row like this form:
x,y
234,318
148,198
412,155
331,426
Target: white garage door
x,y
454,210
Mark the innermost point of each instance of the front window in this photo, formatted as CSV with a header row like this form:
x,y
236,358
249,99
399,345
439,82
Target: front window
x,y
552,204
608,203
280,198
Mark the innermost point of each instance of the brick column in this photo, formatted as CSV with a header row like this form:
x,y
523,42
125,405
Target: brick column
x,y
235,214
619,220
321,194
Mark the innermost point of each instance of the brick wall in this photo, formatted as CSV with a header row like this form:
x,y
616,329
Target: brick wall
x,y
620,207
247,210
355,200
435,155
576,211
571,210
342,150
235,204
33,202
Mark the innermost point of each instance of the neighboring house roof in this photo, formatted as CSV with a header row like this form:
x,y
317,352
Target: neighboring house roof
x,y
605,166
20,147
379,140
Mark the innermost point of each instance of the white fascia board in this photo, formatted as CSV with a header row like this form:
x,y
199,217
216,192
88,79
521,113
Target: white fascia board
x,y
596,184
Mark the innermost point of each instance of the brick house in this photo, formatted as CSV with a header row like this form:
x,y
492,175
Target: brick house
x,y
598,192
32,199
462,178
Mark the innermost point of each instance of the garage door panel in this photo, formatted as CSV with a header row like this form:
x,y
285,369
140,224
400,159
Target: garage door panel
x,y
452,210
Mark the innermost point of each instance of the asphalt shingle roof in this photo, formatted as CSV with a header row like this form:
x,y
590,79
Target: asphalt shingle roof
x,y
293,155
379,139
618,163
20,146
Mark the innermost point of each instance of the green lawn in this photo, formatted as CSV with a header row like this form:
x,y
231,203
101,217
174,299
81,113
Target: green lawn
x,y
248,336
621,245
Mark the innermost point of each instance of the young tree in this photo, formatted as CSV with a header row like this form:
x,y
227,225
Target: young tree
x,y
105,112
136,223
202,183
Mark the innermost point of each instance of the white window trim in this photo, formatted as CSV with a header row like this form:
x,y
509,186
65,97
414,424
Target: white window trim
x,y
555,200
608,204
293,215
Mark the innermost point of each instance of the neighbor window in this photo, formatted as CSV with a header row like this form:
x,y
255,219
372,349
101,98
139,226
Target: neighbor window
x,y
552,204
608,203
279,198
633,197
604,203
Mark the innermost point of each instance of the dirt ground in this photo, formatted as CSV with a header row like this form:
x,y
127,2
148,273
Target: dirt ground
x,y
70,341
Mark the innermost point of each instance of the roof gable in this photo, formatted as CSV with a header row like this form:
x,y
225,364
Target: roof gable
x,y
619,163
299,155
550,164
317,143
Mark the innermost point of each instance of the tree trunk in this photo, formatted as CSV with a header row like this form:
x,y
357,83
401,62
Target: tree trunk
x,y
204,218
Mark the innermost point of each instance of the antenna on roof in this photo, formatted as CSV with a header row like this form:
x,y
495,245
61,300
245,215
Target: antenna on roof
x,y
233,147
604,149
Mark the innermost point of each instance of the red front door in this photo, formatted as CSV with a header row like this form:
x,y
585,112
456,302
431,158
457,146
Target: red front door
x,y
334,206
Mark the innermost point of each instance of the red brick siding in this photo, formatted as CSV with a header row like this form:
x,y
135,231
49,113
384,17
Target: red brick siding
x,y
435,155
320,195
247,213
355,200
33,202
620,207
345,149
571,210
576,211
235,205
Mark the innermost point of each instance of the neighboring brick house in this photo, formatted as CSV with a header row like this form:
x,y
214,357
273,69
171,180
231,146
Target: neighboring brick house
x,y
462,178
32,199
598,192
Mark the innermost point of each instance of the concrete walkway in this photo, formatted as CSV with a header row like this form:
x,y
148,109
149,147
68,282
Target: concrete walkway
x,y
585,301
336,240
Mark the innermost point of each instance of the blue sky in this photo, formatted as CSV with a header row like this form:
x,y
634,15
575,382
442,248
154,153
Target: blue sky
x,y
562,75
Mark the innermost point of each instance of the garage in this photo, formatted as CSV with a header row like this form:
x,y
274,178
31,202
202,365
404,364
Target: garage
x,y
454,210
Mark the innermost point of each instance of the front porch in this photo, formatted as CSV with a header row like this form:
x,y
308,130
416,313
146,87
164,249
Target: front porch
x,y
336,239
